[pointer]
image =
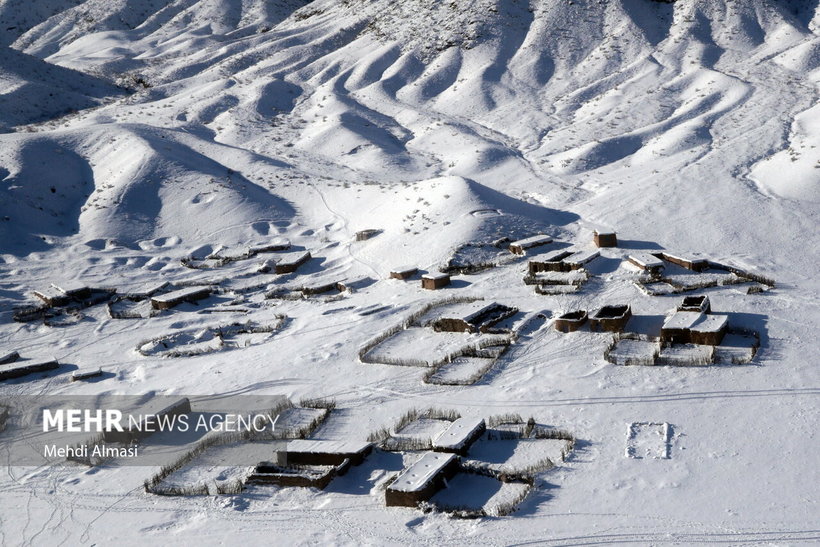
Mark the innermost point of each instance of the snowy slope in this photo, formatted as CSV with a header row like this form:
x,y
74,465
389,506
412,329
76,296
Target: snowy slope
x,y
135,134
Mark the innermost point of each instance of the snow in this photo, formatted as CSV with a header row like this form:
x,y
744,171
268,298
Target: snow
x,y
454,127
458,433
646,260
327,447
711,323
420,473
683,320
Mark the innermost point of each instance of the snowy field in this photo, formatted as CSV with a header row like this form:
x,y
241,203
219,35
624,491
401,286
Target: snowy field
x,y
200,148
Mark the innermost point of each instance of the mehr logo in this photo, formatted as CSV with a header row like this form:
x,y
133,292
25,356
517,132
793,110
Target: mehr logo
x,y
103,421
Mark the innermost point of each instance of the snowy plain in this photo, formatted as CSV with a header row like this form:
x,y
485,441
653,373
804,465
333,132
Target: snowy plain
x,y
136,134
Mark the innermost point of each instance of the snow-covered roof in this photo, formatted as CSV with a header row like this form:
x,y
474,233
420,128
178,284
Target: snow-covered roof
x,y
682,320
646,260
458,433
582,257
181,294
533,241
70,287
552,256
692,259
293,257
146,289
435,276
327,446
465,311
419,475
711,323
404,269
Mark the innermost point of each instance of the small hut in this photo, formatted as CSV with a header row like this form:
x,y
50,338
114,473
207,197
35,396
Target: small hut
x,y
579,259
548,262
364,235
519,247
290,262
175,298
605,239
696,303
403,272
327,452
459,435
647,262
694,327
422,480
610,318
472,317
17,369
435,281
571,321
690,263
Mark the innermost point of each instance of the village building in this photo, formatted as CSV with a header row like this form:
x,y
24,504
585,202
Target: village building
x,y
435,281
696,303
471,317
605,238
18,369
290,262
647,262
571,321
403,272
690,263
579,259
548,262
610,318
459,435
694,327
364,235
175,298
326,452
519,247
422,480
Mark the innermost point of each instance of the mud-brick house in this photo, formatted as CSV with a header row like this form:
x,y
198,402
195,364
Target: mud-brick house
x,y
603,238
472,317
694,327
696,303
422,480
570,321
459,435
647,262
403,272
611,318
690,263
435,281
548,262
520,247
175,298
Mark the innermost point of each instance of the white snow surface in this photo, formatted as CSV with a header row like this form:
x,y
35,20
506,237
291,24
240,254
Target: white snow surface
x,y
137,133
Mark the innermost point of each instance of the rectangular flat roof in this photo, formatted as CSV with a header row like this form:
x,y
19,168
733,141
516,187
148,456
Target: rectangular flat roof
x,y
292,257
646,260
682,320
582,257
552,256
419,475
182,294
457,434
313,446
711,323
540,239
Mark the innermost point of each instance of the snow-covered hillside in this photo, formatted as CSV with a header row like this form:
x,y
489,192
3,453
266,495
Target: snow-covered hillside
x,y
139,134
